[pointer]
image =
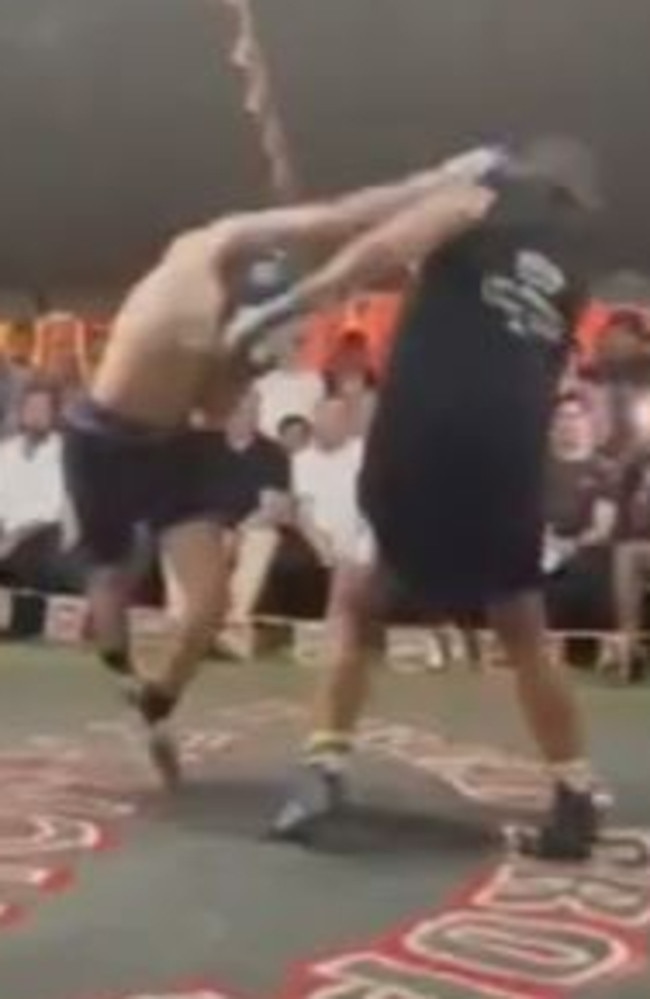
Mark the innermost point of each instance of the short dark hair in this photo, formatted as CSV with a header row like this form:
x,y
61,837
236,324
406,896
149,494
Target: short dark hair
x,y
291,421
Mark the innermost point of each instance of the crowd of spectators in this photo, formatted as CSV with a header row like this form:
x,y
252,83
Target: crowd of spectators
x,y
287,463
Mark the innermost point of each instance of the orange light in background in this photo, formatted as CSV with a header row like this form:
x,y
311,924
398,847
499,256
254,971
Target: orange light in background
x,y
17,342
373,315
60,348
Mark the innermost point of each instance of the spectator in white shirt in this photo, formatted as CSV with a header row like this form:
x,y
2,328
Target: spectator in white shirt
x,y
324,480
288,390
32,498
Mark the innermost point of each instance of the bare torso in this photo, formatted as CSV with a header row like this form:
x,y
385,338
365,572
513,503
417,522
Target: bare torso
x,y
164,360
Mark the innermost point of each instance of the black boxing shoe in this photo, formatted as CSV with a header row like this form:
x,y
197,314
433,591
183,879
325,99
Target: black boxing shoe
x,y
316,799
571,831
165,755
155,706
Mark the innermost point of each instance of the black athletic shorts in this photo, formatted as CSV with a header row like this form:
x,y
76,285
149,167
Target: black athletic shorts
x,y
460,521
120,474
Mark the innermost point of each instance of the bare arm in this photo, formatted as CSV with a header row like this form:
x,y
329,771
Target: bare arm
x,y
342,218
601,529
418,230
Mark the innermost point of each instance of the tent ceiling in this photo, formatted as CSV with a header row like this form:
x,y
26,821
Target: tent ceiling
x,y
122,118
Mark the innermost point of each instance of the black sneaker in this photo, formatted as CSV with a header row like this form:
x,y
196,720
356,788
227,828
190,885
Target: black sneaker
x,y
571,831
165,755
155,707
317,796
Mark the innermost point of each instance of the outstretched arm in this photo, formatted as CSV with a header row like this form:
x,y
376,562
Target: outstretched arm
x,y
344,217
418,230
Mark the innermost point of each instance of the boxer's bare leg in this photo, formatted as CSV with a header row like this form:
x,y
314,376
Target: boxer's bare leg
x,y
550,707
353,638
544,688
194,564
109,594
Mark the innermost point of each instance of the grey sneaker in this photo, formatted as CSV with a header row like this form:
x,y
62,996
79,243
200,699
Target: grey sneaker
x,y
317,796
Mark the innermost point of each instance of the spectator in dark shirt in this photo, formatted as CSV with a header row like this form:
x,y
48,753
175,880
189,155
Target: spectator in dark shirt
x,y
632,565
623,350
253,470
581,520
253,485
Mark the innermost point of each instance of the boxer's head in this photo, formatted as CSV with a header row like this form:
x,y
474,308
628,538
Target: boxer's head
x,y
567,162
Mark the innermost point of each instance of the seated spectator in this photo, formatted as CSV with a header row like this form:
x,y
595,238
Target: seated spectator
x,y
253,486
294,434
32,501
581,519
324,479
326,519
288,390
351,357
632,565
623,349
359,393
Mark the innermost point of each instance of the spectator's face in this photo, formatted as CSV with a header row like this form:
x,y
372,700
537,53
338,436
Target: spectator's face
x,y
37,418
295,436
573,432
332,423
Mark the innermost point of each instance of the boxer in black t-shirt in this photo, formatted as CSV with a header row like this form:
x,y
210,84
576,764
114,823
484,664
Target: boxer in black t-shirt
x,y
453,481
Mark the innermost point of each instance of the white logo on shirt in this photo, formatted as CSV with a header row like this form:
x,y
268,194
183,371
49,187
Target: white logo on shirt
x,y
526,298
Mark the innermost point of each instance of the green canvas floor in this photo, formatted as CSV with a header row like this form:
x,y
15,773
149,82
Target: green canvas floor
x,y
110,889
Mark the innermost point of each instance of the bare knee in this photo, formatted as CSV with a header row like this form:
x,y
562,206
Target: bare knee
x,y
520,625
354,607
196,617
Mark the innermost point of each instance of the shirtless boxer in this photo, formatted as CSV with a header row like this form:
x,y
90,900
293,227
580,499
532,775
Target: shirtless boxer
x,y
453,478
131,456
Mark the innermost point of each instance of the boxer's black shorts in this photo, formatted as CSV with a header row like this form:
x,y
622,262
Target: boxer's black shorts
x,y
460,521
120,475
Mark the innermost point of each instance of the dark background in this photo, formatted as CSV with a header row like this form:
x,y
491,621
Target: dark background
x,y
121,119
